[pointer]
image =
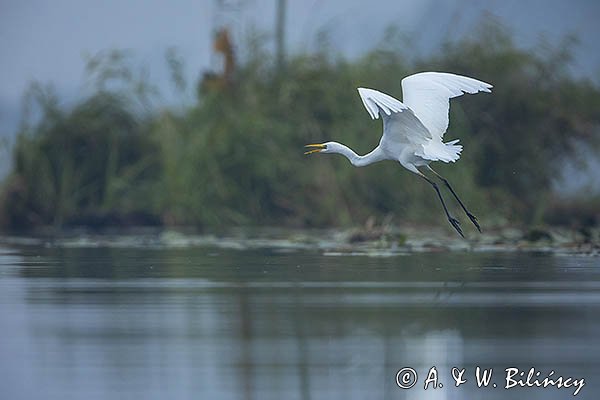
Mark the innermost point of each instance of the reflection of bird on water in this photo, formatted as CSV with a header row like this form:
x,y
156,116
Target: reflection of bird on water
x,y
413,129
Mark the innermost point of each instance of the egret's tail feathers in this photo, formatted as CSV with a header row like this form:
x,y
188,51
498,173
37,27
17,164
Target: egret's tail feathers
x,y
452,150
437,151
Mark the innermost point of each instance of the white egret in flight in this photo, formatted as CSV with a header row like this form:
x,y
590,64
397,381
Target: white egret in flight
x,y
413,129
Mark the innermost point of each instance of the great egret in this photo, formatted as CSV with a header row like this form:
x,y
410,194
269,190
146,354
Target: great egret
x,y
413,130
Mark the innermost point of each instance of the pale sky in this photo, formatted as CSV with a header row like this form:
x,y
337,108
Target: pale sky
x,y
45,40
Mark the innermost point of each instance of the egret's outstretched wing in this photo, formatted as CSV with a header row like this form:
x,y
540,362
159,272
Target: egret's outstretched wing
x,y
399,123
428,94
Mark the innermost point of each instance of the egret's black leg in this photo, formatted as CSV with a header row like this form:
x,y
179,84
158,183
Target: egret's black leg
x,y
471,216
455,223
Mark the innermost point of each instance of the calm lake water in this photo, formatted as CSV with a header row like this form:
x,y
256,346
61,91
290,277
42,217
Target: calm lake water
x,y
213,323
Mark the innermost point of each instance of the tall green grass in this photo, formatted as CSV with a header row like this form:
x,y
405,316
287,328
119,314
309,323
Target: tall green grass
x,y
234,157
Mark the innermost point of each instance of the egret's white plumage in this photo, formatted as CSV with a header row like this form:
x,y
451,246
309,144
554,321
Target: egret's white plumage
x,y
428,94
413,129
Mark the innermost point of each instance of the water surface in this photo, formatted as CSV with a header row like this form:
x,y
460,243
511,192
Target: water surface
x,y
214,323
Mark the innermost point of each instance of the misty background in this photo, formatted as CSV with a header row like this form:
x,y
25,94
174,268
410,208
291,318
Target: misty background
x,y
61,49
48,41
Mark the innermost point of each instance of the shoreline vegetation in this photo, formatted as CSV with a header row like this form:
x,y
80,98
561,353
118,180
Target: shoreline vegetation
x,y
233,156
371,241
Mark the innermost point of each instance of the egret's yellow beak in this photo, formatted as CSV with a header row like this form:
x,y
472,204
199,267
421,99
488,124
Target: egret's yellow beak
x,y
316,148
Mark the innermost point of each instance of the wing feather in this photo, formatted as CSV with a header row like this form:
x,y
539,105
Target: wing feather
x,y
400,125
374,100
428,95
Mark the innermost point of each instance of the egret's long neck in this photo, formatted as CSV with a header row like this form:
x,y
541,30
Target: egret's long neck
x,y
360,161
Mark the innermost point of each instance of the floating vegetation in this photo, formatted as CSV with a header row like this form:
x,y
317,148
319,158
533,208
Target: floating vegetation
x,y
328,242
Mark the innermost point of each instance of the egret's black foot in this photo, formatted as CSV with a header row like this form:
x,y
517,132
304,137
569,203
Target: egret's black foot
x,y
456,224
474,221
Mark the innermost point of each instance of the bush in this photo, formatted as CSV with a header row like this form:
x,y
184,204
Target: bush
x,y
235,156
